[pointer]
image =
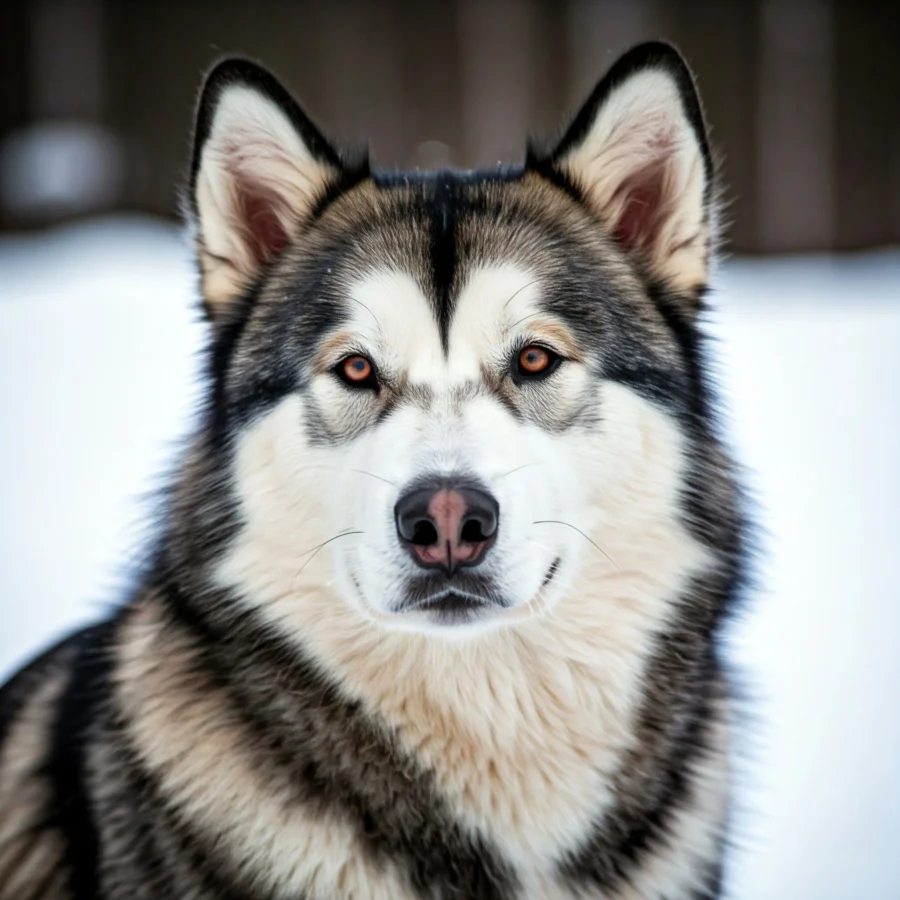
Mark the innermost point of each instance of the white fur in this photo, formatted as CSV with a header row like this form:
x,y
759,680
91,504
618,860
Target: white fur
x,y
524,722
642,126
252,148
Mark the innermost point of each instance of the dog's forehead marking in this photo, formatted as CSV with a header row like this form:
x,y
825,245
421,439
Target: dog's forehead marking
x,y
391,313
493,300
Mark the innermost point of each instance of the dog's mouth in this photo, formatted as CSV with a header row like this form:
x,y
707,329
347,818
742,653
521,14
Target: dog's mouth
x,y
432,589
453,607
455,603
551,572
473,598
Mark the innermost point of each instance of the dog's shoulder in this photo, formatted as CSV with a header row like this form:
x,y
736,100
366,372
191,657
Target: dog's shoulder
x,y
39,723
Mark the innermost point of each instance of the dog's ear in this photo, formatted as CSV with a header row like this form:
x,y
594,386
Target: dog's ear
x,y
638,154
259,168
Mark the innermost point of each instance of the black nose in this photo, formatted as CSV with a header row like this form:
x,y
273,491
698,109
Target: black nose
x,y
447,525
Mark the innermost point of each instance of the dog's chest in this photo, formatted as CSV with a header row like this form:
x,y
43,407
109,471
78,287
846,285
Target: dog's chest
x,y
524,753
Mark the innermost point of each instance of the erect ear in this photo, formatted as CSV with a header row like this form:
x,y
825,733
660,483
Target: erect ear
x,y
638,153
259,168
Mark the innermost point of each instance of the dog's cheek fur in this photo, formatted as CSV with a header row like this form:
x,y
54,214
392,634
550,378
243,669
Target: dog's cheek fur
x,y
283,482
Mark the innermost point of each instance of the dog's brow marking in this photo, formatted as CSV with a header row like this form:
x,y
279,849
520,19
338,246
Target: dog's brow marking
x,y
557,522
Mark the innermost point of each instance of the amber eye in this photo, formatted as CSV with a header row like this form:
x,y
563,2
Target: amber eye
x,y
357,371
535,361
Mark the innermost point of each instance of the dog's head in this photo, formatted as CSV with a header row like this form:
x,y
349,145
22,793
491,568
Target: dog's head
x,y
445,393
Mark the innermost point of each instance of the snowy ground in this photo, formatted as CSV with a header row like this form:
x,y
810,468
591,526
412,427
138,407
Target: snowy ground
x,y
98,343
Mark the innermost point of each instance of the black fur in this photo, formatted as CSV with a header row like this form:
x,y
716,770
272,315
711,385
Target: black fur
x,y
73,812
443,203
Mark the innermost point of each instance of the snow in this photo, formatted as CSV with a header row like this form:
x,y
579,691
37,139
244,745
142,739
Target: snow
x,y
810,354
99,350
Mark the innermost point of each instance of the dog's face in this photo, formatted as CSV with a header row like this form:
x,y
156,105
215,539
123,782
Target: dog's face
x,y
439,390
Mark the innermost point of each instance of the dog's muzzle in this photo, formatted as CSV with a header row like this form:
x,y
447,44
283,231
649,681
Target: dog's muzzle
x,y
448,527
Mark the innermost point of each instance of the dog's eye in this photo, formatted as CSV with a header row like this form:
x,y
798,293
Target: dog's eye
x,y
535,361
357,371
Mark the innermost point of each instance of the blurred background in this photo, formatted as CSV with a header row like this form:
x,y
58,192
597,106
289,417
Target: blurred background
x,y
100,339
97,95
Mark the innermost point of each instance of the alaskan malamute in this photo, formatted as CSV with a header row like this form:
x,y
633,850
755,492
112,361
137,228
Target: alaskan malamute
x,y
434,606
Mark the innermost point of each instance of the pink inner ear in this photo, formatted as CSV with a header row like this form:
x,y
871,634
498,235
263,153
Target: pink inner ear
x,y
643,212
263,230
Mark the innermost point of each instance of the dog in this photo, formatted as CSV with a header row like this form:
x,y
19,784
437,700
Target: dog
x,y
435,601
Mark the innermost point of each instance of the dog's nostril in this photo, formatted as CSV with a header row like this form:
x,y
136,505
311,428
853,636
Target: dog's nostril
x,y
473,532
424,534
